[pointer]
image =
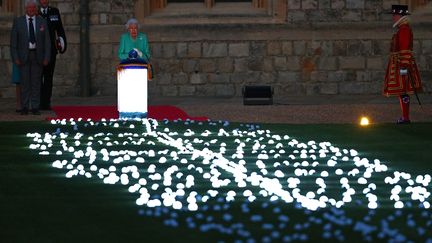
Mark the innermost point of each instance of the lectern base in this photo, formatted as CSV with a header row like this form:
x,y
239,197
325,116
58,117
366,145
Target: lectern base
x,y
132,115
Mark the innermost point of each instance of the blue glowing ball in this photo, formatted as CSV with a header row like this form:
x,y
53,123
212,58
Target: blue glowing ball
x,y
133,54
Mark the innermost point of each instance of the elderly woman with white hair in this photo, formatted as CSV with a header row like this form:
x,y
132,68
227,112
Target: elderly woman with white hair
x,y
133,42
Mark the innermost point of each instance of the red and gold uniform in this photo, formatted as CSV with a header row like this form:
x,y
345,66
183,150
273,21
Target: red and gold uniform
x,y
402,75
401,57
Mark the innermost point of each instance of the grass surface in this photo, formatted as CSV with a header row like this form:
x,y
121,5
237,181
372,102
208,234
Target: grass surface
x,y
408,148
38,204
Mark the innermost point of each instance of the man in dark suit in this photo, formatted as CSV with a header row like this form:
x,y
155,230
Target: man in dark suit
x,y
31,50
58,45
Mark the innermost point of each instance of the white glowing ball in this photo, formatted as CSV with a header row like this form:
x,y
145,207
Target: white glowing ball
x,y
339,172
339,204
394,197
70,173
331,163
251,198
279,174
347,199
151,169
344,180
247,193
362,181
298,172
154,187
57,164
177,205
398,204
192,207
241,184
372,186
372,205
162,160
154,203
310,195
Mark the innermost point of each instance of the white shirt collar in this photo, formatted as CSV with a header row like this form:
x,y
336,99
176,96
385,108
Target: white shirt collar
x,y
400,20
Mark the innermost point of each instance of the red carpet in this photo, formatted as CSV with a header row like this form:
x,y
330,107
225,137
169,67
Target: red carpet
x,y
96,113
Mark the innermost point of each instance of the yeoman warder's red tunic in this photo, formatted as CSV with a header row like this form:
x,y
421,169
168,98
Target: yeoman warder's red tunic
x,y
401,57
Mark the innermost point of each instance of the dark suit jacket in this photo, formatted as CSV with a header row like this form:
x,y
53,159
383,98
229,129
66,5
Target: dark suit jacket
x,y
19,41
55,26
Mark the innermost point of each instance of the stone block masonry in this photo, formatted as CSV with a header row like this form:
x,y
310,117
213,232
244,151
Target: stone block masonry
x,y
311,66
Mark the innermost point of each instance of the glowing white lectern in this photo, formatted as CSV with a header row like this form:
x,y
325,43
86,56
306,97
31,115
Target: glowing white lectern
x,y
132,90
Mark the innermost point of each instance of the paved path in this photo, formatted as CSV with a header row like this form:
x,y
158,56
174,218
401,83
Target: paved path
x,y
305,109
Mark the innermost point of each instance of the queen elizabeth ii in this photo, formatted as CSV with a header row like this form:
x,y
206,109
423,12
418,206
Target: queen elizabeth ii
x,y
133,44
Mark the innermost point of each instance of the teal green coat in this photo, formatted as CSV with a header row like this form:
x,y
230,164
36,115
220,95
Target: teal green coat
x,y
127,44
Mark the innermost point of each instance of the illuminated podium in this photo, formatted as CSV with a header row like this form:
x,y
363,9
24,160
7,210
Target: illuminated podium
x,y
132,90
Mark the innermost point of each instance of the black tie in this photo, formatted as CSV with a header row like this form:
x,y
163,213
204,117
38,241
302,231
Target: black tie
x,y
32,32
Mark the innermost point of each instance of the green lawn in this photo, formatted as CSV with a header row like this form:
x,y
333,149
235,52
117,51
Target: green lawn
x,y
39,204
408,148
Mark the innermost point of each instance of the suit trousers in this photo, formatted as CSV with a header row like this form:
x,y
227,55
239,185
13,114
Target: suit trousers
x,y
47,83
31,73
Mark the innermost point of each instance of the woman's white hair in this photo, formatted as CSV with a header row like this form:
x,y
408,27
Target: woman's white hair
x,y
132,21
28,2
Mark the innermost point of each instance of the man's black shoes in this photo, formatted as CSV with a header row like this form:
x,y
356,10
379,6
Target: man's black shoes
x,y
403,121
24,111
45,107
36,112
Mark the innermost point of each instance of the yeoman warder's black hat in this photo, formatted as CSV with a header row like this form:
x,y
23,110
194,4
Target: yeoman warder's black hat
x,y
400,10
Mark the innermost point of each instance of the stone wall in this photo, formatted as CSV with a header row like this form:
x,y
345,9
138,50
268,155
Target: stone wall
x,y
338,10
294,62
328,47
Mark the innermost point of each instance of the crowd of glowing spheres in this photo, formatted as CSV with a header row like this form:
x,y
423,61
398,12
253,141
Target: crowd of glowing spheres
x,y
187,168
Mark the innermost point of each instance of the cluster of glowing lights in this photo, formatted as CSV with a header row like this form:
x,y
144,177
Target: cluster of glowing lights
x,y
204,171
168,164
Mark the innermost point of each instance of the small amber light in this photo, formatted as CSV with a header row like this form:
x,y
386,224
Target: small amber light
x,y
364,121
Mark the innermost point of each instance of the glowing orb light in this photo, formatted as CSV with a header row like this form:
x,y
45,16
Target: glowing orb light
x,y
364,121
